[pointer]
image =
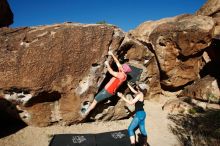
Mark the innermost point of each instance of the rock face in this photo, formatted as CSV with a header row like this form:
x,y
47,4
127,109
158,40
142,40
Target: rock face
x,y
186,49
143,31
176,106
49,72
209,8
205,89
177,43
212,8
6,15
57,66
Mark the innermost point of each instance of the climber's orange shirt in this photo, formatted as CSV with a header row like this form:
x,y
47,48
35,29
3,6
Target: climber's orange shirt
x,y
115,82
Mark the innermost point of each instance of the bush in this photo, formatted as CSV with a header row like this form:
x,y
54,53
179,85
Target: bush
x,y
101,22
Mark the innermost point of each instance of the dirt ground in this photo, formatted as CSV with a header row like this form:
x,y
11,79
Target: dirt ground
x,y
157,126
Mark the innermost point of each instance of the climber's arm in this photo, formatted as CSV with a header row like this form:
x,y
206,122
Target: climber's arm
x,y
110,70
132,89
115,59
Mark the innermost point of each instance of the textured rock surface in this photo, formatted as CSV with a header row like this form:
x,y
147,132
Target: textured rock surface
x,y
59,66
205,89
209,8
176,106
6,15
143,31
49,72
212,8
177,46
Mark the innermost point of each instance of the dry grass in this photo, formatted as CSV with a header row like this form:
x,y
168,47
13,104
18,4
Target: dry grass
x,y
200,129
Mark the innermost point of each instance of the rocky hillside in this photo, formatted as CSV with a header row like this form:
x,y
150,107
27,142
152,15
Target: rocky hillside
x,y
48,72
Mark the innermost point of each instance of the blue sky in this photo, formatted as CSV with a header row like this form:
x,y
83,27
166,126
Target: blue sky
x,y
126,14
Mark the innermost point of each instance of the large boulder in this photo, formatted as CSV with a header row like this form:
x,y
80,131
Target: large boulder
x,y
143,31
49,71
205,89
177,106
209,8
212,8
6,15
177,46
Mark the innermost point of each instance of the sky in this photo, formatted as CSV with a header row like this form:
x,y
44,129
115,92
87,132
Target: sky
x,y
126,14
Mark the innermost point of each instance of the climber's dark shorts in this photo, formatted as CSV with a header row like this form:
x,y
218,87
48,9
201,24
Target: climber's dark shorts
x,y
102,95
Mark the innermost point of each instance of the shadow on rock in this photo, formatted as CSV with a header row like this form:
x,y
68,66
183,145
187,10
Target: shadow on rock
x,y
10,121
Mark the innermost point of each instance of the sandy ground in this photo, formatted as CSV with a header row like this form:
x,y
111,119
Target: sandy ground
x,y
156,125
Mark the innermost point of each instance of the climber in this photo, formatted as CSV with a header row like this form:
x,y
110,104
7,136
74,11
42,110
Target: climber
x,y
109,90
140,115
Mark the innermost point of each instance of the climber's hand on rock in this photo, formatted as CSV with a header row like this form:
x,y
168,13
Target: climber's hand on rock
x,y
119,94
110,53
106,63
